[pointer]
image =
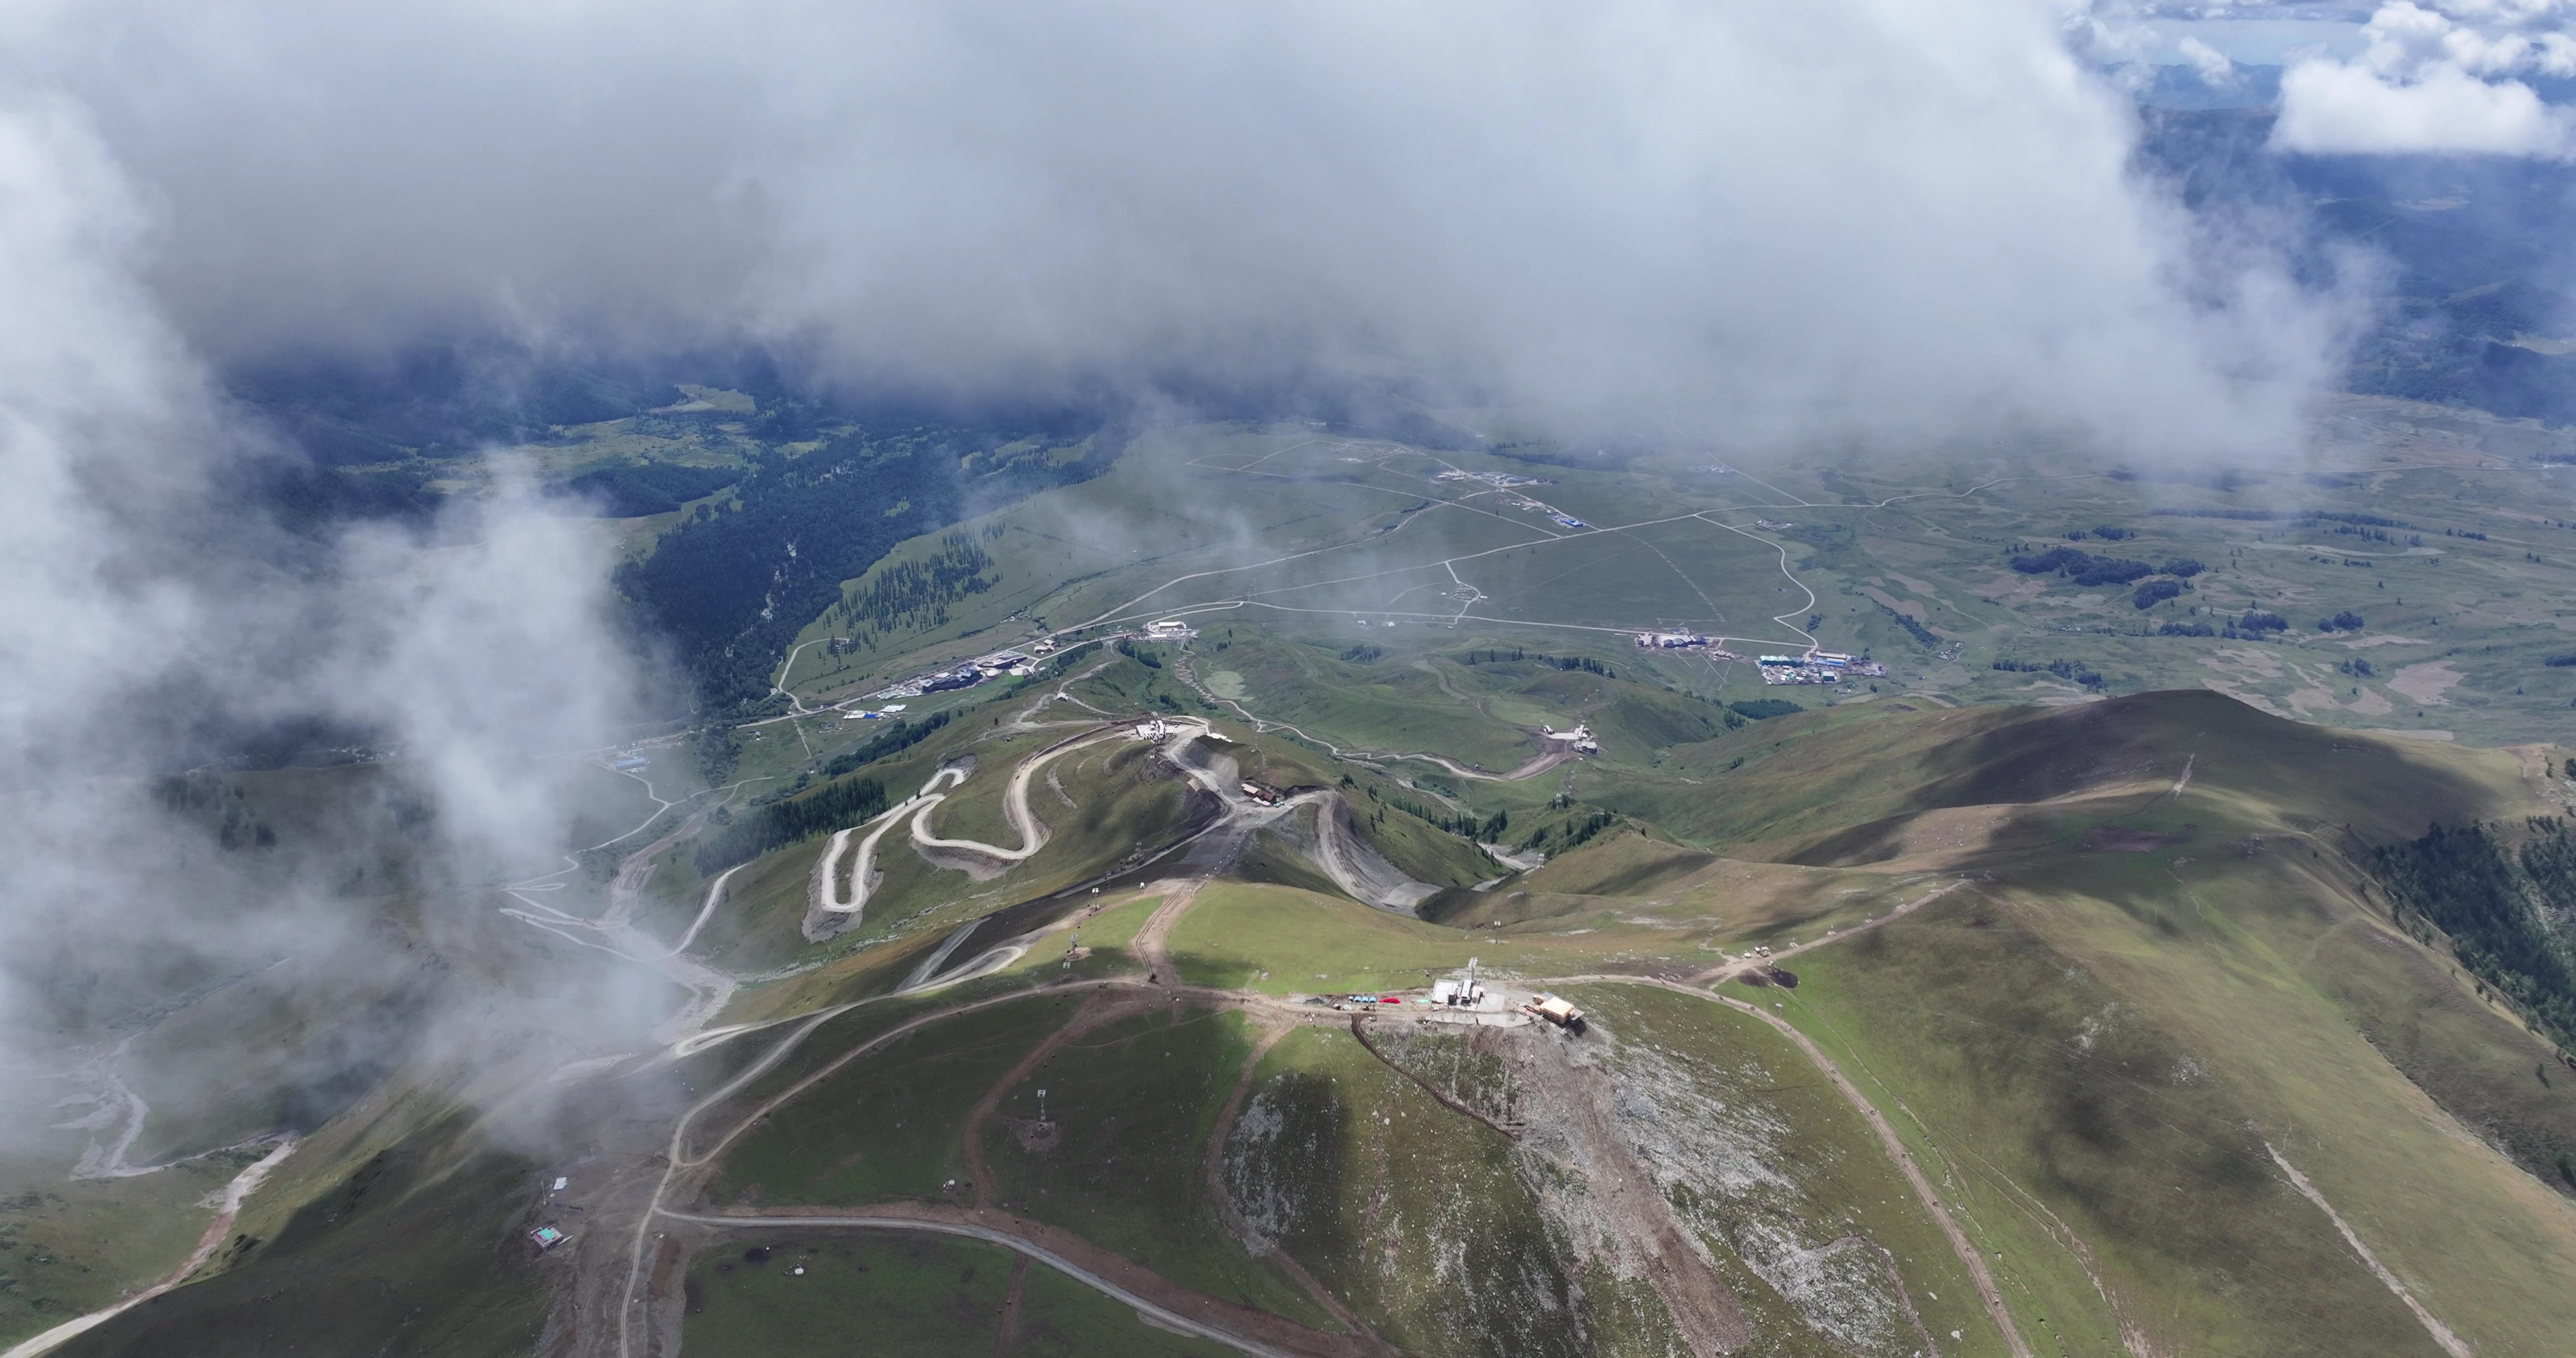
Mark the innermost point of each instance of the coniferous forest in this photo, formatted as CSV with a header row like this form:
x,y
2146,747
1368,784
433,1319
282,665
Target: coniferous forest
x,y
733,584
2497,902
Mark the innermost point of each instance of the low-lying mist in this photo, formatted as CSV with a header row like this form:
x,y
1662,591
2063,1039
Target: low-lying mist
x,y
1869,218
157,623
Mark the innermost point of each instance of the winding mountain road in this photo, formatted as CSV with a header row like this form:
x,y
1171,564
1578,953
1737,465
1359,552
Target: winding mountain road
x,y
825,896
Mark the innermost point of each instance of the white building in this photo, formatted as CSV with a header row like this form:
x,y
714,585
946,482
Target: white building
x,y
1463,991
1578,740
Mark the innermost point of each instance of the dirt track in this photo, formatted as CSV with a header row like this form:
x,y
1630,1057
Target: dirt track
x,y
689,1158
1531,768
1097,1009
1152,944
1015,807
1237,1327
2441,1333
1887,1139
824,898
228,1207
646,1295
823,894
1742,965
1213,1168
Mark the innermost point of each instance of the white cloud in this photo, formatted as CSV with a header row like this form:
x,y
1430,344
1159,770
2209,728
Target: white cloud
x,y
145,603
1856,212
2451,77
2213,66
1732,220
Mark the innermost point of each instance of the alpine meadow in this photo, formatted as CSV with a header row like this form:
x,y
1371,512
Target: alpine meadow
x,y
1869,679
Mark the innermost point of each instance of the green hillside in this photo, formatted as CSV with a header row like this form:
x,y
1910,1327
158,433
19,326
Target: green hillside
x,y
1956,1008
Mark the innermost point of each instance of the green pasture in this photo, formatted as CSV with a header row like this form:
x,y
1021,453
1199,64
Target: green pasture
x,y
1135,1101
887,1125
2119,1051
1414,1215
70,1246
408,1244
899,1293
1819,1165
1279,940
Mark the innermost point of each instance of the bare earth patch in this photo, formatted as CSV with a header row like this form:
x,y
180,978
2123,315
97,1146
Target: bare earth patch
x,y
2357,643
2427,682
1953,829
1034,1136
2113,839
2244,659
2368,703
2010,587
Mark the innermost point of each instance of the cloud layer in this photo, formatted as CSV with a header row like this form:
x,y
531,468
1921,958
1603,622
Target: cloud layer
x,y
1728,222
2450,77
148,610
1855,213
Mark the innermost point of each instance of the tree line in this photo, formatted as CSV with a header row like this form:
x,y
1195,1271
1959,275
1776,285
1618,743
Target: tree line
x,y
2495,903
734,583
2087,570
783,823
790,820
1497,656
914,595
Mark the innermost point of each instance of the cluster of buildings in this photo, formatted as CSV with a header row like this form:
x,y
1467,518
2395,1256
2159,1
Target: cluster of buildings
x,y
1555,1009
1015,663
1505,482
1460,992
1813,667
1818,667
1578,740
1670,641
1464,990
1499,480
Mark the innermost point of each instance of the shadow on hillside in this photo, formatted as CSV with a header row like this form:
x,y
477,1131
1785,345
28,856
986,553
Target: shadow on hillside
x,y
2297,769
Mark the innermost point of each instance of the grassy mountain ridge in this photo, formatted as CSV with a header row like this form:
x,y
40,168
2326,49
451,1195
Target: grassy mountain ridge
x,y
2179,986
